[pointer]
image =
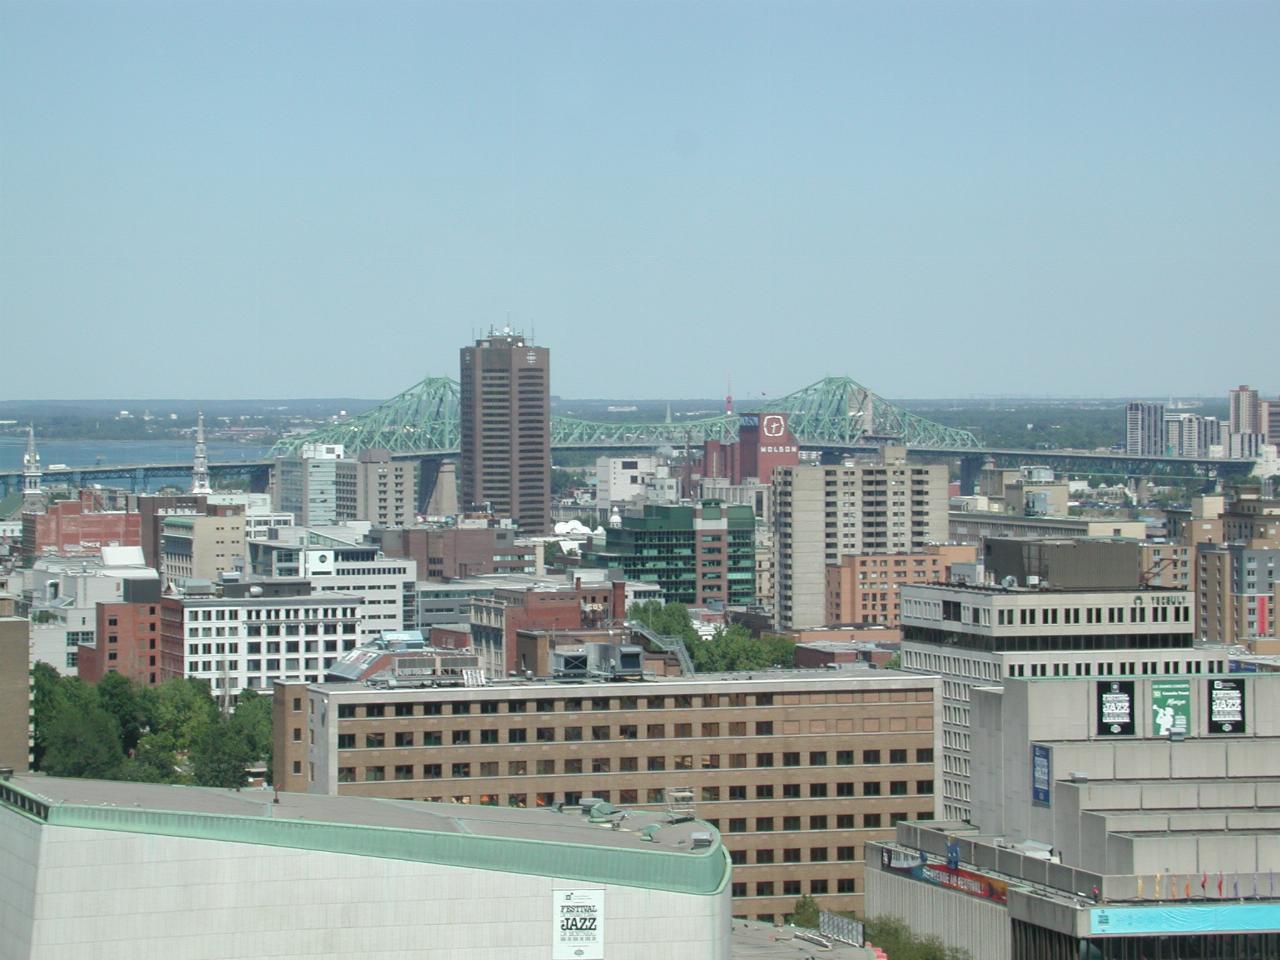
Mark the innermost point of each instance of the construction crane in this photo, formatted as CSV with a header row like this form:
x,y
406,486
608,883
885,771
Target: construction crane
x,y
1144,580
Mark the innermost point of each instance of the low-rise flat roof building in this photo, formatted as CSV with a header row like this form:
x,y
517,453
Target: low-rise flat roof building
x,y
125,870
797,769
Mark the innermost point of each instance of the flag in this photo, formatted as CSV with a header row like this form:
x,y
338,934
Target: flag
x,y
1186,889
1204,878
1255,886
1219,884
1273,883
1139,887
1235,885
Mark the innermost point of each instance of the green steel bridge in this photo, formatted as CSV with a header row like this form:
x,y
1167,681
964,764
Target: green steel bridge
x,y
836,413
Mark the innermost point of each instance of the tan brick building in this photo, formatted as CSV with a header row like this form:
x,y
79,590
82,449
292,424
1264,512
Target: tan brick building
x,y
863,588
15,688
797,769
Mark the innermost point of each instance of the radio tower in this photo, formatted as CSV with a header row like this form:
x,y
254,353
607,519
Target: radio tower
x,y
200,467
728,397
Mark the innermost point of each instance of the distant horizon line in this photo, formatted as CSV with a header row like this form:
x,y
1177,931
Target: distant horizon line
x,y
1122,398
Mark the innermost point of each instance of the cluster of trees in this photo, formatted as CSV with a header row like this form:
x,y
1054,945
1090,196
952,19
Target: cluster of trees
x,y
730,648
890,934
171,733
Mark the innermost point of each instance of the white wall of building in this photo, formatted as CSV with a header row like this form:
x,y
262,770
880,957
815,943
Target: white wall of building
x,y
126,896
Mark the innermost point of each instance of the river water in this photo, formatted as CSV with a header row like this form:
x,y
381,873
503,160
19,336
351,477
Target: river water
x,y
88,453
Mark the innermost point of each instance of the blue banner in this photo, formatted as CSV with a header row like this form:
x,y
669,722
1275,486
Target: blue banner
x,y
1041,775
1198,918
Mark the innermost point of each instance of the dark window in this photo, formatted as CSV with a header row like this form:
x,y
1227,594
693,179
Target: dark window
x,y
791,855
462,770
489,706
404,738
845,885
764,791
897,788
764,823
924,755
488,736
462,736
846,853
764,728
375,710
897,756
517,735
764,759
738,856
924,787
817,854
737,793
737,824
346,741
818,822
791,759
817,789
871,788
375,741
764,888
791,888
818,758
790,824
457,708
844,821
404,709
791,791
870,756
764,856
844,757
817,886
871,820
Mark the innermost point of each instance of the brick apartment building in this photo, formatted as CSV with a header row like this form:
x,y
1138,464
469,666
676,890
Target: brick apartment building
x,y
864,588
798,770
129,639
445,553
78,527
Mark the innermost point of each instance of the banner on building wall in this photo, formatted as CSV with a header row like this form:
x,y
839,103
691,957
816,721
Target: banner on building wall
x,y
578,925
1170,708
939,875
1041,775
1115,708
1226,706
1199,918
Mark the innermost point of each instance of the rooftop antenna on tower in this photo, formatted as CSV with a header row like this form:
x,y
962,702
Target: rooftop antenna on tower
x,y
728,397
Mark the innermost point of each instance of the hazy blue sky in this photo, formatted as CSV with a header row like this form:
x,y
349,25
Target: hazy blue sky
x,y
951,199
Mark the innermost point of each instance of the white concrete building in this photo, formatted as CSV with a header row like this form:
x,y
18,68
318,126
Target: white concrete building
x,y
121,871
388,585
976,636
60,596
248,642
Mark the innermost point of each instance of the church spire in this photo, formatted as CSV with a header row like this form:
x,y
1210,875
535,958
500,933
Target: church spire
x,y
32,495
200,466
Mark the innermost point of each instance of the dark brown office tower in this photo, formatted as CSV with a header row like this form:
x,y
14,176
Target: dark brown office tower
x,y
506,429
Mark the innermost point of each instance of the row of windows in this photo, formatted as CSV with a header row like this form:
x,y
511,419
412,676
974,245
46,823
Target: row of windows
x,y
375,773
378,739
678,702
792,888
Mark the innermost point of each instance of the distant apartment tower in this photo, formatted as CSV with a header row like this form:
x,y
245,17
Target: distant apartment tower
x,y
386,489
317,485
1191,435
823,513
865,588
1244,410
1144,429
505,400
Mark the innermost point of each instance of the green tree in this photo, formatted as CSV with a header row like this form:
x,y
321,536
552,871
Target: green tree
x,y
45,680
82,740
220,755
180,709
154,761
806,913
252,722
119,696
898,940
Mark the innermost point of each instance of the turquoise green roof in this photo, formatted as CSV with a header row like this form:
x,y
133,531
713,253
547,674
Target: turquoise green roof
x,y
603,856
